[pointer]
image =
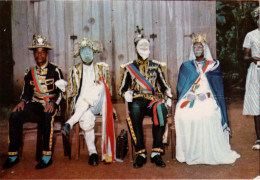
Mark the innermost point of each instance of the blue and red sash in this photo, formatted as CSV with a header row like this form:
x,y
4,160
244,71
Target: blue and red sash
x,y
108,133
157,112
140,78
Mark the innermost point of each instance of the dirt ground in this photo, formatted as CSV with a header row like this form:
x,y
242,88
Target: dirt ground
x,y
243,136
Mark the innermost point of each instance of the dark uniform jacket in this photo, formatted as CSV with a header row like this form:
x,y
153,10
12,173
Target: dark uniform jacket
x,y
47,76
152,70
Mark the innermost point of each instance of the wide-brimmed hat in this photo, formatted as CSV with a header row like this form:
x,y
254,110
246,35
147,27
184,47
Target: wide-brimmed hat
x,y
96,46
40,41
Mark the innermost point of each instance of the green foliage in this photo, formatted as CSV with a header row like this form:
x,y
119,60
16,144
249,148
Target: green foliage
x,y
234,21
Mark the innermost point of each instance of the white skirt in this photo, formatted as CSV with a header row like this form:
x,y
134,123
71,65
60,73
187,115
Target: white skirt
x,y
200,138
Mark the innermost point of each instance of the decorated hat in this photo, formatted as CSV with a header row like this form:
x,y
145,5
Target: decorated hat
x,y
198,38
96,46
140,35
256,12
40,41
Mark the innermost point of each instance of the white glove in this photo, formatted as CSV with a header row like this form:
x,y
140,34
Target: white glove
x,y
129,96
61,84
169,102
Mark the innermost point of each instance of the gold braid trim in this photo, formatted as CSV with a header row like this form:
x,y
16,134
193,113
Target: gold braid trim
x,y
157,150
51,133
131,129
12,153
47,153
141,151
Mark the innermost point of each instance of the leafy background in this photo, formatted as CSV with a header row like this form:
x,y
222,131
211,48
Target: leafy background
x,y
234,21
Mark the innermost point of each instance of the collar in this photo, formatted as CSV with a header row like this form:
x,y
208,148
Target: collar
x,y
43,66
141,62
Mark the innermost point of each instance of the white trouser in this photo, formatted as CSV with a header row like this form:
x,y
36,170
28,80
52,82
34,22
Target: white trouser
x,y
85,114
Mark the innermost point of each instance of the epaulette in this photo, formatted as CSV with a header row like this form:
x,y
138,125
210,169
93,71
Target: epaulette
x,y
160,63
124,65
102,64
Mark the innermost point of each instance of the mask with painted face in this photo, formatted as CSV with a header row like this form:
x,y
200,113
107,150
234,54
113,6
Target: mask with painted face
x,y
143,48
86,54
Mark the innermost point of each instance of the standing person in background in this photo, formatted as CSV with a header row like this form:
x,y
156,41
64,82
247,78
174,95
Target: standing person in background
x,y
252,94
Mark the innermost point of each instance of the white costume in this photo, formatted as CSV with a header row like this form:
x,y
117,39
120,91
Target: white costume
x,y
200,138
88,104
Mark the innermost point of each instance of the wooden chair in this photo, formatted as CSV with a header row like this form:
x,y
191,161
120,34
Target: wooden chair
x,y
147,121
79,135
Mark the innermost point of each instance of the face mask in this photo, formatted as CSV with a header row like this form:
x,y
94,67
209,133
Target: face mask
x,y
143,48
198,49
86,54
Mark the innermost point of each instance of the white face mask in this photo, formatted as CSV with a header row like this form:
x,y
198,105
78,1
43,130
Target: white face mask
x,y
143,48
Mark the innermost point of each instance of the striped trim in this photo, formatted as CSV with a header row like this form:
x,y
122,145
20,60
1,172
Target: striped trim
x,y
36,81
47,153
157,150
51,133
12,153
140,152
131,129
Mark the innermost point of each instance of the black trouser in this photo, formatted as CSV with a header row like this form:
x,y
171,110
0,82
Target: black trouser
x,y
33,112
138,109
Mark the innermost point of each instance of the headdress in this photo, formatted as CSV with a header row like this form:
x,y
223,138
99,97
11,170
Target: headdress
x,y
198,38
40,41
96,46
202,39
140,35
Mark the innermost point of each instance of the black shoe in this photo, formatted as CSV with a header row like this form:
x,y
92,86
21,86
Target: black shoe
x,y
139,161
93,159
158,161
8,163
42,164
65,129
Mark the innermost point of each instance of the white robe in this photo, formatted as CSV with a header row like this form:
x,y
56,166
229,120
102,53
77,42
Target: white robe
x,y
200,138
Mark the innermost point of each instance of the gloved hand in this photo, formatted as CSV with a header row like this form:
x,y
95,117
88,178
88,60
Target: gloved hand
x,y
169,102
191,97
61,84
202,97
129,96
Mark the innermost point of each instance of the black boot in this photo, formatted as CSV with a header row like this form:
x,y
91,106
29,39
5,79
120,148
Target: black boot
x,y
9,163
65,129
158,161
93,159
139,161
42,164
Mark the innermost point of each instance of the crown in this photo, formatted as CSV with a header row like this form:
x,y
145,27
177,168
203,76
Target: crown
x,y
96,46
256,12
198,38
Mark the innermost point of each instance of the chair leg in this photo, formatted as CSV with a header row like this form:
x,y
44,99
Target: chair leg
x,y
77,141
66,146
